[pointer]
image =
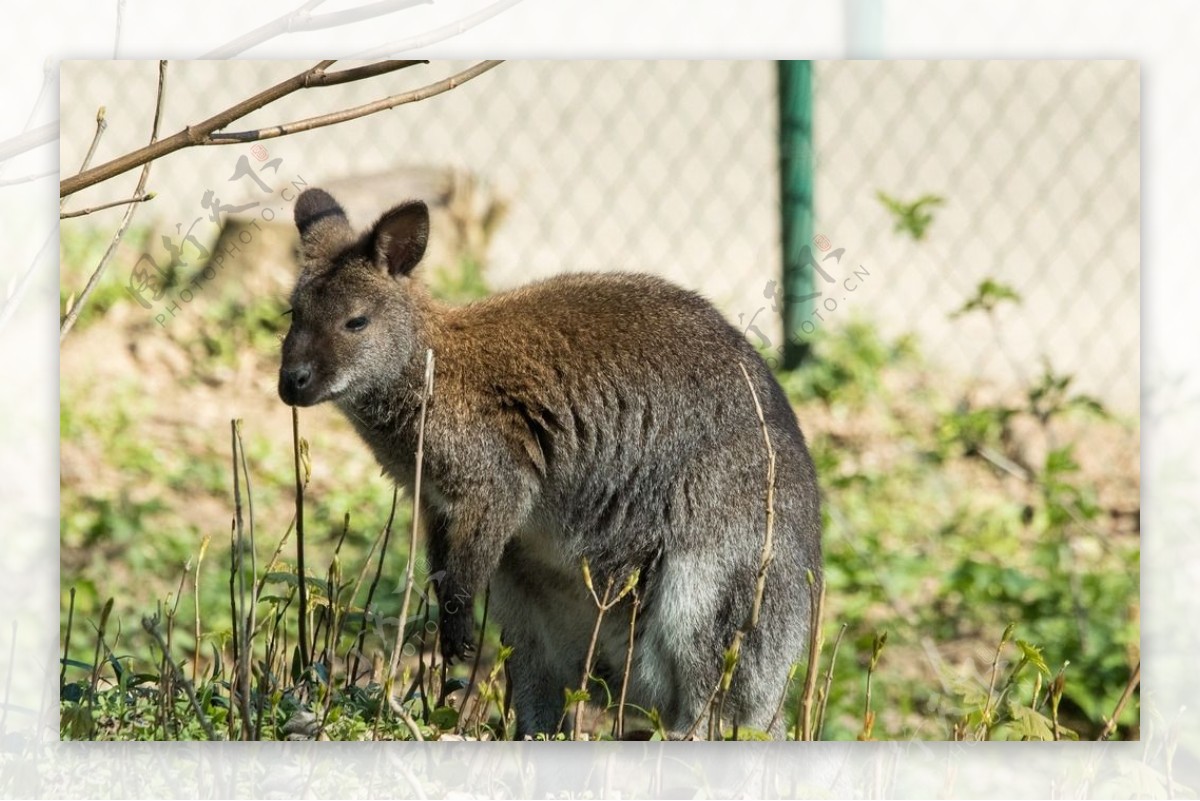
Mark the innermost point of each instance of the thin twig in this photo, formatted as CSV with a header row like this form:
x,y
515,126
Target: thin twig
x,y
120,26
439,34
101,127
783,696
602,606
91,209
487,600
104,613
816,610
320,121
764,562
48,88
381,543
73,314
262,580
1054,696
247,615
151,627
34,137
986,718
637,602
62,675
301,481
823,703
868,713
300,19
24,179
691,733
196,600
409,572
421,671
235,622
337,616
199,133
1134,679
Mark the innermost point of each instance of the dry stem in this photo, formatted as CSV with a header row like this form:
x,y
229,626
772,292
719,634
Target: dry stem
x,y
1134,679
101,127
637,602
412,551
816,610
108,205
823,703
73,315
764,562
150,624
205,133
300,19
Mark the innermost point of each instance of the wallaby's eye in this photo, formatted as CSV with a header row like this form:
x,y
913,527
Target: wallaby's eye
x,y
356,323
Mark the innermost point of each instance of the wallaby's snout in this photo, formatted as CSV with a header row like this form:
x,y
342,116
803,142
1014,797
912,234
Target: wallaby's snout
x,y
292,383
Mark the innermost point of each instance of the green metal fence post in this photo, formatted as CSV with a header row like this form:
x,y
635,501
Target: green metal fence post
x,y
796,205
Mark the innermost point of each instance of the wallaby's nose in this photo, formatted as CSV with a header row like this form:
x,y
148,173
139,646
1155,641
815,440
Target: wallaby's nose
x,y
299,376
292,381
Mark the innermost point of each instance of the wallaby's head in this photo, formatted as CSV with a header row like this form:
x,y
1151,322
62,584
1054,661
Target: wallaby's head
x,y
355,305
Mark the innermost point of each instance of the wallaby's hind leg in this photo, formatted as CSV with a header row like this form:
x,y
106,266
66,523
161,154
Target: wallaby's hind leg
x,y
537,689
678,659
547,655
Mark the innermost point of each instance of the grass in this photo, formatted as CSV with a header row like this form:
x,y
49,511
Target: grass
x,y
981,563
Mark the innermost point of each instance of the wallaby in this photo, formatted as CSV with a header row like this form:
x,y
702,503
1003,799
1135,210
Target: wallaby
x,y
599,417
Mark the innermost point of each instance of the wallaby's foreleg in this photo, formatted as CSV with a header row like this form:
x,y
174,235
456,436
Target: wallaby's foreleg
x,y
465,545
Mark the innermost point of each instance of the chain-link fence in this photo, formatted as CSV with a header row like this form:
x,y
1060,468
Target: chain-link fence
x,y
1036,168
1029,171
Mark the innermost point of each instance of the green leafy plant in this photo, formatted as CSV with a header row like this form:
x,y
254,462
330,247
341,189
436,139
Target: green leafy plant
x,y
989,294
911,217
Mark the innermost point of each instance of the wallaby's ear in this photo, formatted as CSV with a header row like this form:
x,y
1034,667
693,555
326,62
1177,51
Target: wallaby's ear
x,y
319,219
400,237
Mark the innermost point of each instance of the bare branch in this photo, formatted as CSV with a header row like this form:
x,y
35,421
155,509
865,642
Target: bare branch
x,y
101,127
138,199
198,134
366,71
439,34
823,702
345,115
300,463
602,606
637,601
120,25
301,20
816,610
766,556
73,314
1135,678
32,138
24,179
409,575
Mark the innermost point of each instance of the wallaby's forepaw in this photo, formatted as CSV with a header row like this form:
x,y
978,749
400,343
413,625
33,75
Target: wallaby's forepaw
x,y
457,635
